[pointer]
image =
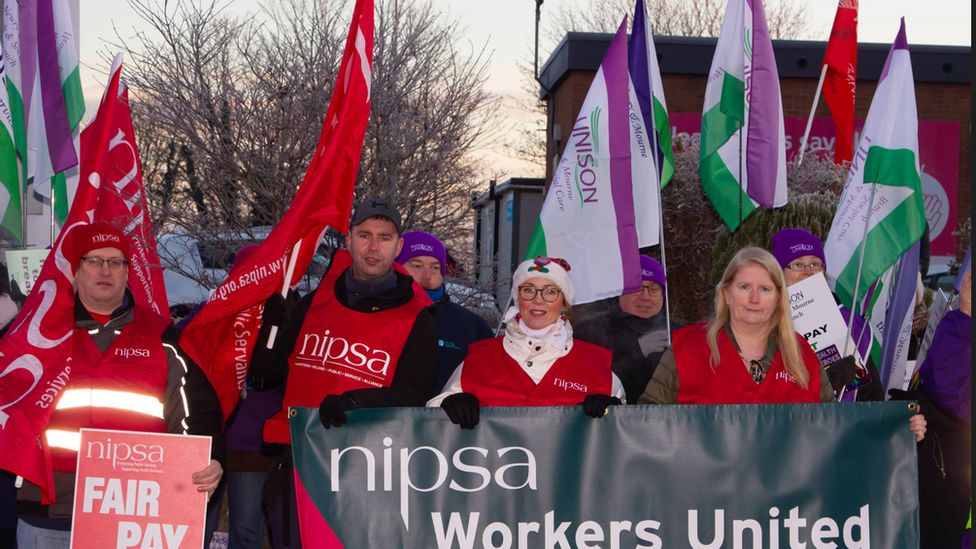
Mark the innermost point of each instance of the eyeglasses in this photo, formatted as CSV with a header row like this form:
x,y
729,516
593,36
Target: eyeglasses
x,y
96,263
816,267
549,294
652,290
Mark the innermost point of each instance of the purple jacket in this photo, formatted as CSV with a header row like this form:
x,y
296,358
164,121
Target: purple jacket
x,y
946,372
244,429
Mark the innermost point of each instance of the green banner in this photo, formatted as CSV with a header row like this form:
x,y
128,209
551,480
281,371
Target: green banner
x,y
770,476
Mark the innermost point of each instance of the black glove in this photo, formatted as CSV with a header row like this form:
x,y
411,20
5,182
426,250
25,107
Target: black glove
x,y
463,409
275,309
899,394
596,405
841,373
332,411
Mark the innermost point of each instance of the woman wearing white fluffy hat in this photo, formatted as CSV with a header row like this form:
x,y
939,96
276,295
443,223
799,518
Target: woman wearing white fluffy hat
x,y
537,362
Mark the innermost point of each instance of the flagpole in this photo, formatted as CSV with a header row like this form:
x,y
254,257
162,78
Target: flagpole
x,y
739,228
813,109
292,260
860,266
52,214
652,132
23,207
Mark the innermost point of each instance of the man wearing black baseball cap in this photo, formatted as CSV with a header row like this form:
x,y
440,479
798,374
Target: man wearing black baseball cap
x,y
364,338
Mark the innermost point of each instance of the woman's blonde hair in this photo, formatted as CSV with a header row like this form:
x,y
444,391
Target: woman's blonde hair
x,y
781,321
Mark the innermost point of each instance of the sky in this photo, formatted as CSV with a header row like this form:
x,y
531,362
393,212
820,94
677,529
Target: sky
x,y
506,27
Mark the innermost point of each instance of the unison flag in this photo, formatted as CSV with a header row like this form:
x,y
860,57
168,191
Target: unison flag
x,y
221,337
15,57
880,213
743,139
646,75
34,354
896,330
840,81
10,190
588,216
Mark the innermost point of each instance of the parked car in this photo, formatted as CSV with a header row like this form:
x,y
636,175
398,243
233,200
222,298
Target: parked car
x,y
475,300
940,274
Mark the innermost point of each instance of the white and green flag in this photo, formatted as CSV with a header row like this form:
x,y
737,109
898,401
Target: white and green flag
x,y
742,160
10,190
14,85
588,217
880,214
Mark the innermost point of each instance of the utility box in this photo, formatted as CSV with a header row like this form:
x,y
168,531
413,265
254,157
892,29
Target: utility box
x,y
505,218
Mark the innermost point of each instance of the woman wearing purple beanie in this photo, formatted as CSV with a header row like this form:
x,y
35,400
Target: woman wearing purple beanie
x,y
801,255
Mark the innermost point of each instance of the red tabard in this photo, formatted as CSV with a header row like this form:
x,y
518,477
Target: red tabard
x,y
497,380
134,363
339,349
730,382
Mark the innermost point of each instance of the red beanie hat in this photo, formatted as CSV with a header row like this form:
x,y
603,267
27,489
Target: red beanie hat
x,y
92,237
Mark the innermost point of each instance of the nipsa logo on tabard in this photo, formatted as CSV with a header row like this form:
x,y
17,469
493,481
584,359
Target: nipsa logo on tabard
x,y
568,385
339,351
129,352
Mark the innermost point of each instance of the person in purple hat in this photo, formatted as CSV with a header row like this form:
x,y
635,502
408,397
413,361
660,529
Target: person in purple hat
x,y
635,329
801,255
425,258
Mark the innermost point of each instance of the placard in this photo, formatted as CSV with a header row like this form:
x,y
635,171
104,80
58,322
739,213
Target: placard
x,y
23,266
817,318
134,489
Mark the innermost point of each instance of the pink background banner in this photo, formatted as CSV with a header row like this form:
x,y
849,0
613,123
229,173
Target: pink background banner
x,y
938,144
135,490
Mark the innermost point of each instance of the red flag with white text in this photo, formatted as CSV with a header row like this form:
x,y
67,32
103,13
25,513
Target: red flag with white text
x,y
839,84
35,361
221,337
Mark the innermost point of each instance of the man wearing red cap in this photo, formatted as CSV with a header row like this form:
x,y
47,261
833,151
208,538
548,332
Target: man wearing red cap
x,y
127,373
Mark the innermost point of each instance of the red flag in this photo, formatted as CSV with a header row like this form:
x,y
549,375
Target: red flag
x,y
35,362
841,61
221,337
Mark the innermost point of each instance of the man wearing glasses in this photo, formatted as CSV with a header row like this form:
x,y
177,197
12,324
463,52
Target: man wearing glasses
x,y
126,373
635,330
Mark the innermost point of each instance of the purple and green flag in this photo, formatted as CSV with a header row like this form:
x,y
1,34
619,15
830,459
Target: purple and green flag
x,y
596,213
743,138
646,76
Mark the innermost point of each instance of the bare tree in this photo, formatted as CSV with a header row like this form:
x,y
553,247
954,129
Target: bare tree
x,y
228,111
786,18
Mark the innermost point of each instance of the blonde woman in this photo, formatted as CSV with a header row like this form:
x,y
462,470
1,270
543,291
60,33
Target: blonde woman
x,y
748,352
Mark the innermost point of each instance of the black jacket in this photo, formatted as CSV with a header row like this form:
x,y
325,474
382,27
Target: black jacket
x,y
413,380
619,332
457,327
